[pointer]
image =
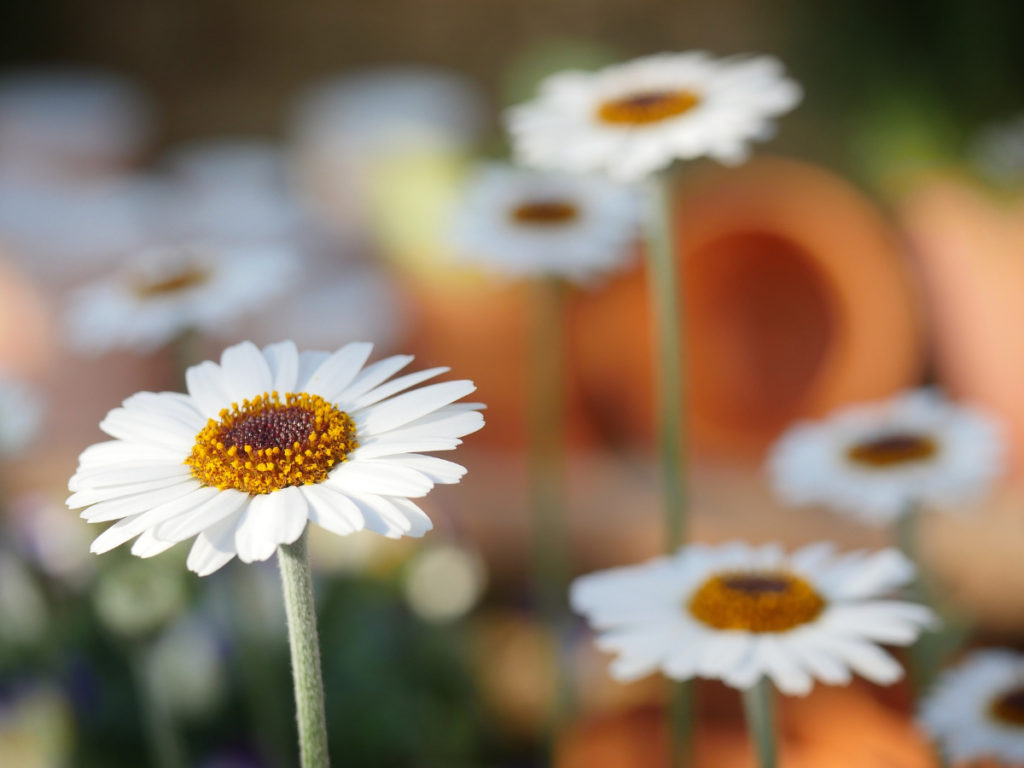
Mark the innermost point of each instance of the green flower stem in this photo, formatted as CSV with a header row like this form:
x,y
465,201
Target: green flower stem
x,y
758,705
547,473
166,750
297,583
664,288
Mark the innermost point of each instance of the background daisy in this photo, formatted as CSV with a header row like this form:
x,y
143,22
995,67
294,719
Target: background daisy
x,y
632,119
876,461
267,441
162,292
976,709
739,612
523,222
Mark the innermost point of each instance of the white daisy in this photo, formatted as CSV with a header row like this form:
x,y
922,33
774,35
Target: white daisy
x,y
738,613
21,415
524,222
164,291
265,442
976,709
632,119
878,460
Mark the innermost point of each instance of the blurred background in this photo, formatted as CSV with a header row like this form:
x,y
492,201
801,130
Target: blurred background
x,y
875,245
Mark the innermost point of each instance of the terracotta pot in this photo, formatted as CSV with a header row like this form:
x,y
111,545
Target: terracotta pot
x,y
796,300
832,728
968,245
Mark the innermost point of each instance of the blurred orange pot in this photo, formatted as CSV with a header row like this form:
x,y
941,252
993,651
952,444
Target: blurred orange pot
x,y
832,728
796,301
969,247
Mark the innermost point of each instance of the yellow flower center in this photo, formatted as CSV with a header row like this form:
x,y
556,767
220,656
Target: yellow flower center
x,y
544,213
1008,708
647,107
756,602
266,444
189,277
893,449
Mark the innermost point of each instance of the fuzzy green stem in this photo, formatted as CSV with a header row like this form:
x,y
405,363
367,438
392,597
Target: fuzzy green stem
x,y
758,705
664,287
297,583
547,473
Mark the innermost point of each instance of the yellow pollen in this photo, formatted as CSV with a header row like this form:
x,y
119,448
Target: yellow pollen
x,y
269,443
770,601
1008,708
189,277
647,107
544,213
893,449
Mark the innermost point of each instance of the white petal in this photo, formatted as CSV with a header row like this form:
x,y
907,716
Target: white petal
x,y
398,385
338,371
246,372
283,359
153,489
372,376
205,382
269,520
215,546
140,426
332,510
438,470
127,473
406,408
130,527
147,545
179,528
378,477
116,451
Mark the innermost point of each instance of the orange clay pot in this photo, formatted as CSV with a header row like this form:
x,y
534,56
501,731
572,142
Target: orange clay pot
x,y
832,728
26,335
969,247
480,327
796,301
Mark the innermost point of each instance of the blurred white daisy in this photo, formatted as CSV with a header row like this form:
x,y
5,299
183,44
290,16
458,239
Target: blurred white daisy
x,y
266,441
632,119
975,710
876,461
21,415
522,222
164,291
738,613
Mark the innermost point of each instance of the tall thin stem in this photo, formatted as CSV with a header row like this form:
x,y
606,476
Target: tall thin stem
x,y
758,705
665,287
297,583
547,471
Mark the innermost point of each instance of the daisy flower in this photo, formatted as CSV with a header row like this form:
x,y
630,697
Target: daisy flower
x,y
21,415
164,291
524,222
738,613
632,119
976,709
877,461
265,442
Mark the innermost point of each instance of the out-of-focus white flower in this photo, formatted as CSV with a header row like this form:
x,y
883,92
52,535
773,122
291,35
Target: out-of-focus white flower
x,y
21,415
36,728
54,539
185,669
443,583
632,119
70,122
739,613
528,223
975,710
876,461
267,442
24,614
135,599
165,291
234,190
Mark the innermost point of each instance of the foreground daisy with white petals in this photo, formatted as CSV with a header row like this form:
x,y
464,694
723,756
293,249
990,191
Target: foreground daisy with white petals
x,y
267,441
740,613
878,461
527,223
633,119
975,711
